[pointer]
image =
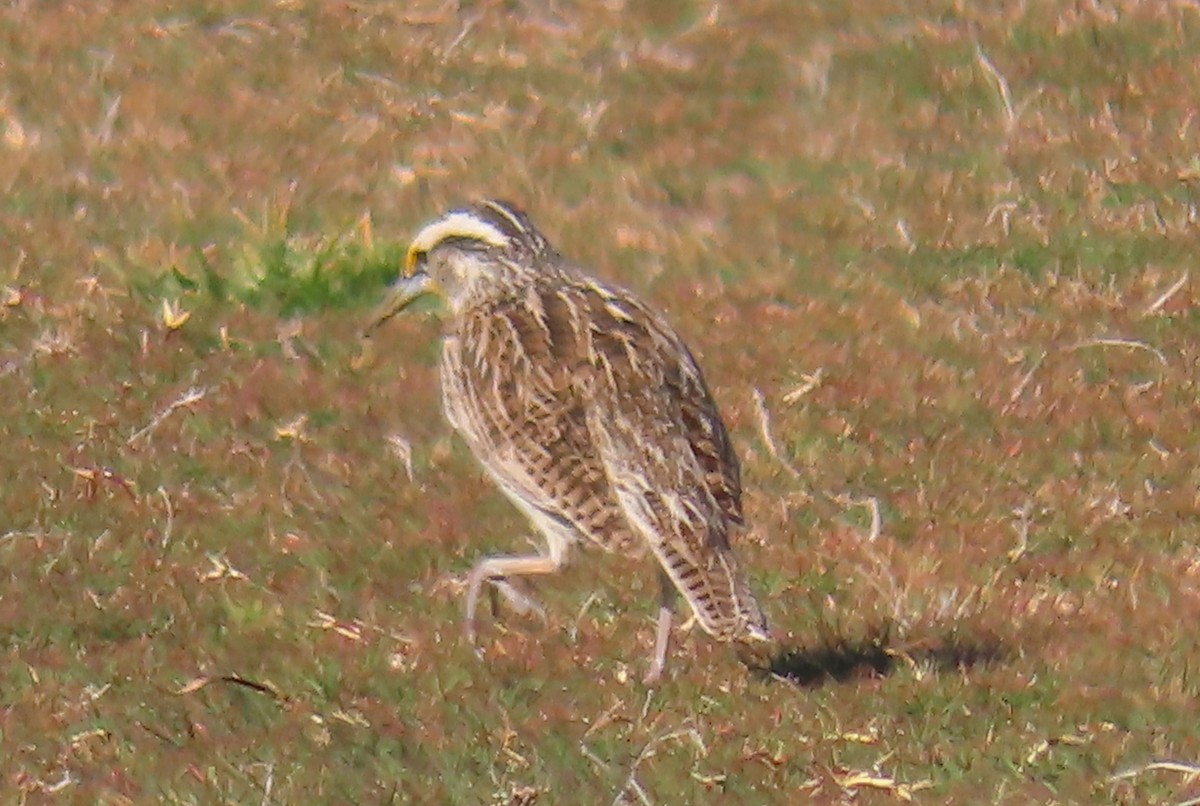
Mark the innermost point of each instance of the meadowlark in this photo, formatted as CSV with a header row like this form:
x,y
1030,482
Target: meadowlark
x,y
587,410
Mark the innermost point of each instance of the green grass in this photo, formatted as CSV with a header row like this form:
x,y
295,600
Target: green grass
x,y
221,585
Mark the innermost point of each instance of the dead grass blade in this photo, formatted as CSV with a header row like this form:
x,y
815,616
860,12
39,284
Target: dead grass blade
x,y
1010,112
901,791
1170,766
1127,343
631,783
1165,297
764,429
198,683
189,398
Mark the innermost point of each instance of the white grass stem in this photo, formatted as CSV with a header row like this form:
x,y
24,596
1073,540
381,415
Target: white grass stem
x,y
1165,297
170,524
189,398
1169,766
1010,112
1128,343
1023,384
648,752
764,428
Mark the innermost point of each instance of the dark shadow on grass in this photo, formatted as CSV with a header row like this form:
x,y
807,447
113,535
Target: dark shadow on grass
x,y
875,654
960,653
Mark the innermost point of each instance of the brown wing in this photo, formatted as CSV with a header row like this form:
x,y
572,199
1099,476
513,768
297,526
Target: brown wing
x,y
668,459
513,385
709,441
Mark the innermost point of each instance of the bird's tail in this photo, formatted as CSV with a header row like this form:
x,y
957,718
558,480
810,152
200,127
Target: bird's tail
x,y
754,623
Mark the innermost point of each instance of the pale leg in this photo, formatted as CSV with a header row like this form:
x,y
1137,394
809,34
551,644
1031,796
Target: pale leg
x,y
662,640
498,568
522,602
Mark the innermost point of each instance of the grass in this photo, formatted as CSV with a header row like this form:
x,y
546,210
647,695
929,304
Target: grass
x,y
223,583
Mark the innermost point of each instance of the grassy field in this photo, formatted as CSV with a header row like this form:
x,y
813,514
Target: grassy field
x,y
934,257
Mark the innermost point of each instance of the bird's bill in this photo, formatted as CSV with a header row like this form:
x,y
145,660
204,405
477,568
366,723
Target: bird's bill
x,y
403,292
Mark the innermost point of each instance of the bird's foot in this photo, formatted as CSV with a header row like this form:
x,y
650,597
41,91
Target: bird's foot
x,y
653,675
472,638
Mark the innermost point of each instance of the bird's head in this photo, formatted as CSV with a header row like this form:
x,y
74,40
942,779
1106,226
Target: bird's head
x,y
465,251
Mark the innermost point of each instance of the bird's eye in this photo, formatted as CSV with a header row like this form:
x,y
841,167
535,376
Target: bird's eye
x,y
415,261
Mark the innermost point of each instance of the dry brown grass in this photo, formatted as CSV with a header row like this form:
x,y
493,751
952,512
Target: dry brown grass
x,y
947,249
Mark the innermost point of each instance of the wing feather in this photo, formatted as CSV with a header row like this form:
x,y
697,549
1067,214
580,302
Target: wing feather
x,y
522,412
669,461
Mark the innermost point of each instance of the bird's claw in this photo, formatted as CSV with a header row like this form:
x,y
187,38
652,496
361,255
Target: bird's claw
x,y
653,676
472,639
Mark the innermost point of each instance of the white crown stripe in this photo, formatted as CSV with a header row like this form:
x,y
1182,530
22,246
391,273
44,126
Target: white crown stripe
x,y
458,225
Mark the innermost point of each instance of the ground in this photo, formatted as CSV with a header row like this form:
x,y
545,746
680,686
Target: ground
x,y
933,257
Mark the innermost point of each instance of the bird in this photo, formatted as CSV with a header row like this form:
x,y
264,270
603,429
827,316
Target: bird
x,y
588,411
